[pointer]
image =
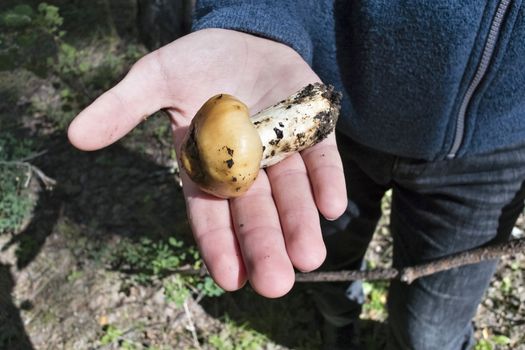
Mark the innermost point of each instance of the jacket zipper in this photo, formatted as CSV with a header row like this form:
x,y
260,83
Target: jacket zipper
x,y
486,56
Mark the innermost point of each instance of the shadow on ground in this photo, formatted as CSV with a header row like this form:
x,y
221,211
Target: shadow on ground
x,y
12,332
114,192
291,321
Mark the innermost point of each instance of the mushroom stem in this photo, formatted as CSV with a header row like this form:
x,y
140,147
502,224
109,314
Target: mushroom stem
x,y
298,122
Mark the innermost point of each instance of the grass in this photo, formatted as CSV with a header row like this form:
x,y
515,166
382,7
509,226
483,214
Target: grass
x,y
492,342
32,40
14,205
236,337
148,261
231,336
15,202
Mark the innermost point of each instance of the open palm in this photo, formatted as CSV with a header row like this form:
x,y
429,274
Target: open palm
x,y
262,235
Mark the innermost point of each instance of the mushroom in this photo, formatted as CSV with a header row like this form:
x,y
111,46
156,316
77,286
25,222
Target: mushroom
x,y
224,148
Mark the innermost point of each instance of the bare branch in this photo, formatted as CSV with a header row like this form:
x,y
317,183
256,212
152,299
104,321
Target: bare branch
x,y
491,252
409,274
347,275
33,156
191,326
48,182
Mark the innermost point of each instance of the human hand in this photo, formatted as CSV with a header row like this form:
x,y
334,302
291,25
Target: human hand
x,y
262,235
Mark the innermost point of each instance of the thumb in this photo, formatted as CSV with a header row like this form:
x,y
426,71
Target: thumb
x,y
116,112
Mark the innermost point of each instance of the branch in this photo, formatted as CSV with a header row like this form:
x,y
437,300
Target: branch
x,y
48,182
191,326
409,274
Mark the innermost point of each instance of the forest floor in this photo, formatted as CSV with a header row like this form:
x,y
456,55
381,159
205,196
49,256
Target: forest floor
x,y
94,260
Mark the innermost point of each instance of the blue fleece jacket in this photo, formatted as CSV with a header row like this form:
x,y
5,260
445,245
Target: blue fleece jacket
x,y
426,79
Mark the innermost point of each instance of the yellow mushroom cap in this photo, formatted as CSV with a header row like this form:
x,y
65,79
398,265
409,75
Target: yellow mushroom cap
x,y
222,150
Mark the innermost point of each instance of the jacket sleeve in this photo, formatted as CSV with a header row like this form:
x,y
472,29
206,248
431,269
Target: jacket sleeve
x,y
278,20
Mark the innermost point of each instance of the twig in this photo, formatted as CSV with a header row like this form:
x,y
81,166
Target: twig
x,y
347,275
48,182
33,156
183,270
191,326
407,274
473,256
411,273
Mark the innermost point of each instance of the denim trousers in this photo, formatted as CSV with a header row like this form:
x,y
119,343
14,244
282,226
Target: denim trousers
x,y
438,208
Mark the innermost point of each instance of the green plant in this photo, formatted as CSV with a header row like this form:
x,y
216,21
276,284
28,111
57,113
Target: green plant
x,y
176,290
116,338
375,304
236,337
29,36
173,263
74,275
13,148
492,342
506,285
148,259
15,204
209,288
111,334
128,345
13,208
33,39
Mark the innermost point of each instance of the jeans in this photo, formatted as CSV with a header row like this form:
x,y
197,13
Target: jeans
x,y
438,208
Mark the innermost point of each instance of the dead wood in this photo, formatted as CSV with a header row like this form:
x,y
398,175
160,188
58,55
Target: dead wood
x,y
411,273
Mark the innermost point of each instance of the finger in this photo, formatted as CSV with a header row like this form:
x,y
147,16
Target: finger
x,y
298,213
325,171
111,116
261,240
213,231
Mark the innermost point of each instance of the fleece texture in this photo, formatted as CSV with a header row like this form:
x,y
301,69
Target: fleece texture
x,y
404,67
